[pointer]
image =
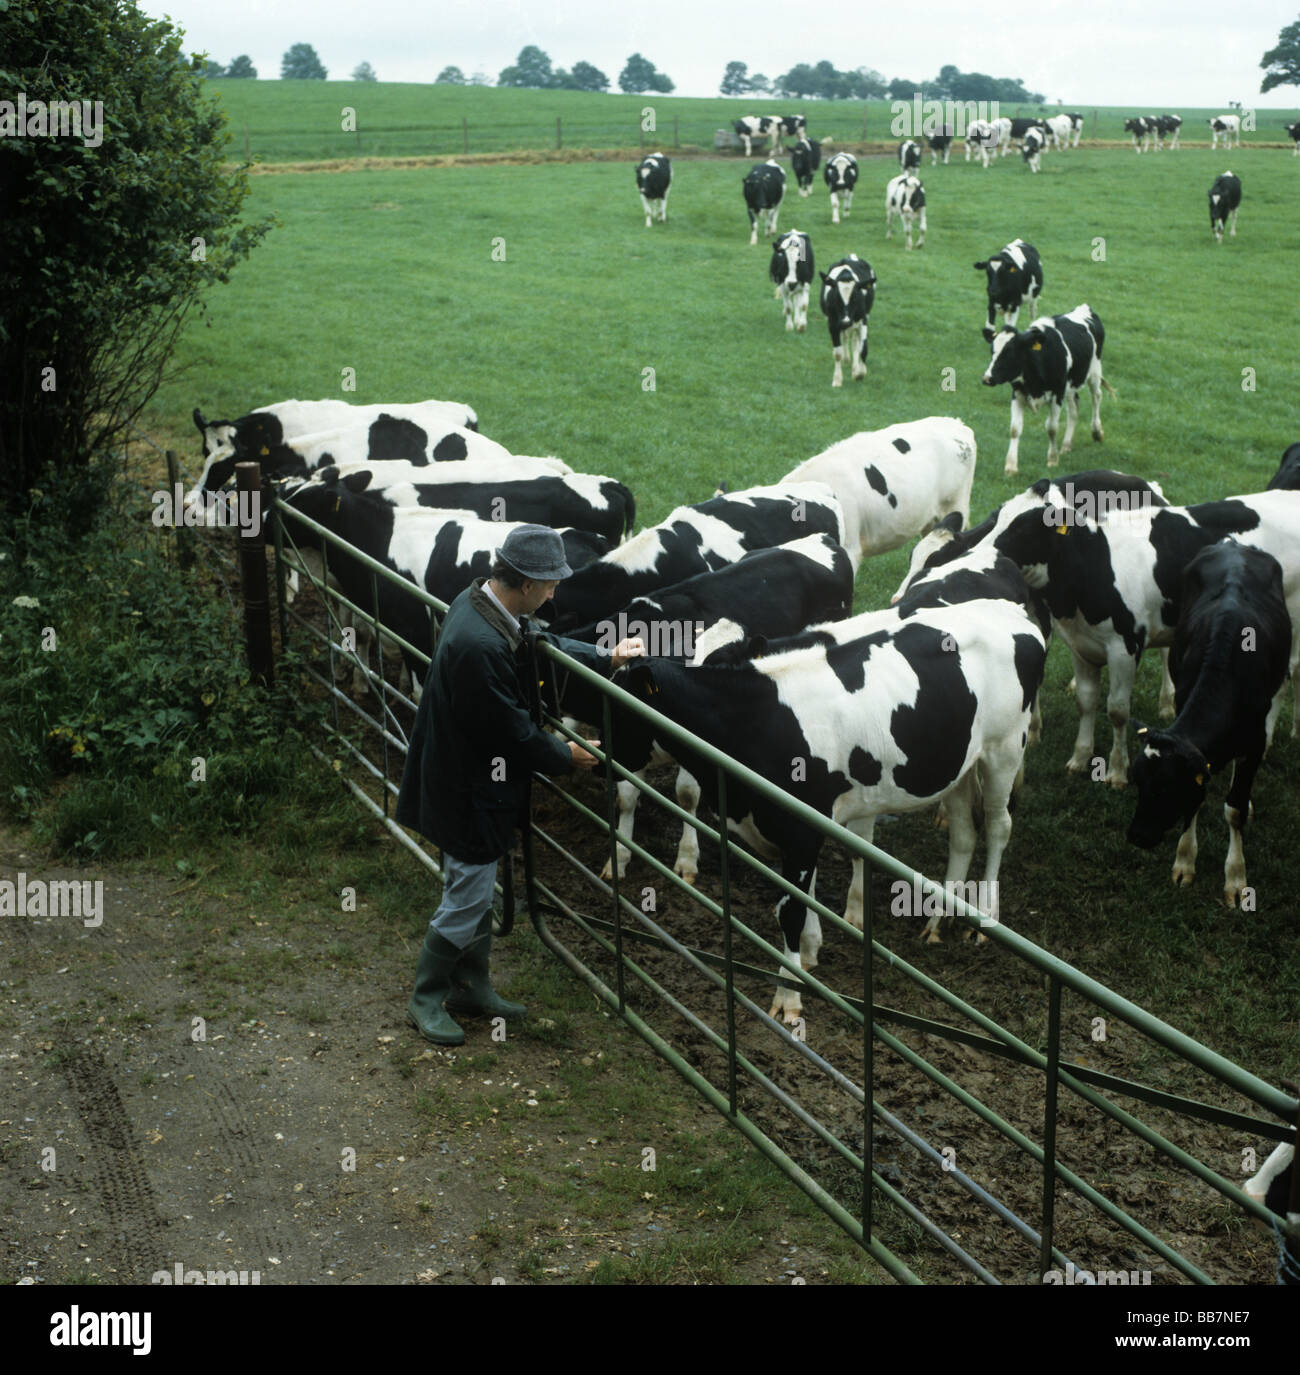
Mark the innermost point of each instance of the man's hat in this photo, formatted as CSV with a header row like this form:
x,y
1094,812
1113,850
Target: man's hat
x,y
537,552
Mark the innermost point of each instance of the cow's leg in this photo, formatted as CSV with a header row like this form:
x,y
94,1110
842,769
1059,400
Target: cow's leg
x,y
1094,387
1017,426
801,309
1122,669
649,210
835,203
793,920
860,354
920,243
1185,860
753,229
1087,693
959,805
1166,688
1232,233
848,202
837,352
1236,812
787,305
1053,425
864,827
1071,418
889,221
627,799
688,848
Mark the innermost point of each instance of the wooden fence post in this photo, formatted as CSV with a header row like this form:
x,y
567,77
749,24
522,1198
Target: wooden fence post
x,y
252,576
184,535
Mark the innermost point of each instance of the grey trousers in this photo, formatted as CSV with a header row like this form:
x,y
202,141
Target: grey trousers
x,y
466,896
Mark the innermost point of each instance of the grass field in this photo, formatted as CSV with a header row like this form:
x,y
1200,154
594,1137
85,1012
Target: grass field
x,y
293,121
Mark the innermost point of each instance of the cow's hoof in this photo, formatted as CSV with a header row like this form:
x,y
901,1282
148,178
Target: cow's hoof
x,y
932,937
1183,875
686,877
1010,470
1098,436
801,328
789,326
1078,765
1117,780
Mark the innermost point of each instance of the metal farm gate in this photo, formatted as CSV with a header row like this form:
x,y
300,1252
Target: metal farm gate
x,y
691,976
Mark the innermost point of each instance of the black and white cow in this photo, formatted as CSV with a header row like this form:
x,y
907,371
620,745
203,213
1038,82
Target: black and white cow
x,y
1076,124
1293,132
764,187
654,175
771,592
1170,127
982,137
1225,197
895,483
580,500
1231,654
1015,276
941,143
805,159
905,198
1114,586
791,269
694,539
1003,128
909,155
1051,359
1023,124
751,127
1059,129
394,431
793,126
1274,1185
841,176
1227,128
1143,130
1031,147
848,292
441,551
1287,477
878,714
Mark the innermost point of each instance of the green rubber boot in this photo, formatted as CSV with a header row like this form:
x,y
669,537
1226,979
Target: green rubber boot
x,y
433,982
473,994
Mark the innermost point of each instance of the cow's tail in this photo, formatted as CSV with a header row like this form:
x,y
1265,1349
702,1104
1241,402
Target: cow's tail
x,y
629,510
1110,389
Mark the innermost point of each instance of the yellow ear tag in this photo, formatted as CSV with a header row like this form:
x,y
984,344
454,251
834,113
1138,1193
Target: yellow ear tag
x,y
1036,347
338,501
1060,529
266,451
1200,779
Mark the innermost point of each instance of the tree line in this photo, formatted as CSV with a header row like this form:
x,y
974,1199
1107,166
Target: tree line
x,y
823,81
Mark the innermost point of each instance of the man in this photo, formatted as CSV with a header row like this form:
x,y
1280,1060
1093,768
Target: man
x,y
472,754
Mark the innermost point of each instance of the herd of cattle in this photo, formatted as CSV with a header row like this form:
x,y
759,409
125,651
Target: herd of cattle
x,y
932,699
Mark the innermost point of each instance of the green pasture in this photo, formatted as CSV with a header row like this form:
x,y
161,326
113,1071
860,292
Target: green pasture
x,y
297,121
536,294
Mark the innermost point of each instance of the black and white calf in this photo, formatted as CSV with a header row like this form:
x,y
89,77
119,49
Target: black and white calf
x,y
793,126
1287,477
909,155
694,539
751,127
841,175
1293,132
1059,129
983,138
1227,128
805,159
878,714
654,175
1051,359
941,143
1015,276
905,198
895,483
1143,130
1231,653
764,188
791,269
1031,147
1225,197
1170,127
848,291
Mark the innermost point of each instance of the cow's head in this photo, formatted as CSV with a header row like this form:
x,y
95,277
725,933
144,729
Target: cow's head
x,y
844,296
1171,776
633,736
925,551
1009,354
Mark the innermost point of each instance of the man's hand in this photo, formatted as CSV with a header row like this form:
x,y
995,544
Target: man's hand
x,y
581,758
632,648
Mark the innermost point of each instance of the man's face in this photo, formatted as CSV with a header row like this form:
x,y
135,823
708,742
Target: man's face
x,y
536,593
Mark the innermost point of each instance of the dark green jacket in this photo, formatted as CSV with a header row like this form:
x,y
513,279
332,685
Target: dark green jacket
x,y
475,745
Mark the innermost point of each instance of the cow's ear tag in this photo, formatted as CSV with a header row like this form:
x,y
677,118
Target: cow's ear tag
x,y
1036,347
338,501
265,451
1060,529
1142,732
1200,780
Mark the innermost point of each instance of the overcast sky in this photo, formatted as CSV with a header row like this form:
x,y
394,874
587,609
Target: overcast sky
x,y
1104,52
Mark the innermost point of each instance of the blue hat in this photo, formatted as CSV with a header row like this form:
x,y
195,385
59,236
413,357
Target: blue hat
x,y
537,552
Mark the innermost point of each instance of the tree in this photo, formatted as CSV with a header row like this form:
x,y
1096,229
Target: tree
x,y
640,74
242,68
213,69
450,76
759,84
117,226
798,82
363,71
1282,63
589,78
865,83
480,78
300,63
900,88
735,80
532,69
